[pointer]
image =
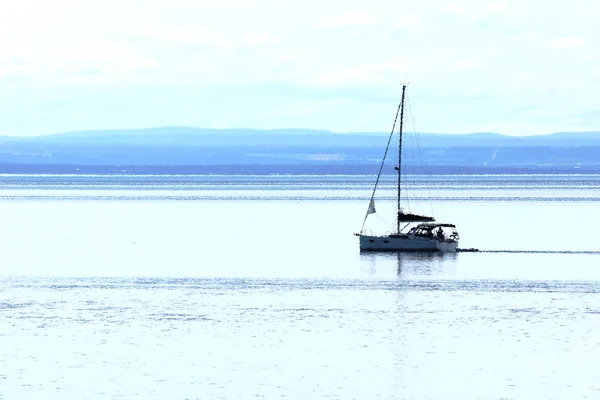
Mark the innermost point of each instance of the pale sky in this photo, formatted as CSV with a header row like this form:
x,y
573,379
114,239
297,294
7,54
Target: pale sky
x,y
512,67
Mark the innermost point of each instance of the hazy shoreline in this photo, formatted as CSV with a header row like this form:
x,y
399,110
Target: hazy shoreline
x,y
352,169
197,151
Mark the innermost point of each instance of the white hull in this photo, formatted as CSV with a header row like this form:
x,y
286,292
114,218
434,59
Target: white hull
x,y
405,243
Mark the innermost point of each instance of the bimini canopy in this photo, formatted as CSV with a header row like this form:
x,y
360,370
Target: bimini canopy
x,y
409,217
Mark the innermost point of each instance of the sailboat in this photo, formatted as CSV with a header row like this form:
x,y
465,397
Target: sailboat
x,y
413,232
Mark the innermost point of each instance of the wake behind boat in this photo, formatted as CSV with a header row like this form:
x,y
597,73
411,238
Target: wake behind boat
x,y
413,232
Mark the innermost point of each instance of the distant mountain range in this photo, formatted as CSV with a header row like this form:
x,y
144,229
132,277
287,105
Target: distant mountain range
x,y
194,150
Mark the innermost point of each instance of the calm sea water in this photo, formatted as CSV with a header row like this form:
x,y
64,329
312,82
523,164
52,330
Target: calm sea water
x,y
253,287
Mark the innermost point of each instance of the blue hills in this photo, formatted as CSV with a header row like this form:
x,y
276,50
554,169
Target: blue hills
x,y
195,150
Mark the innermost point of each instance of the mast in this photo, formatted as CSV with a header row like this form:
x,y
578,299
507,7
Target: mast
x,y
400,158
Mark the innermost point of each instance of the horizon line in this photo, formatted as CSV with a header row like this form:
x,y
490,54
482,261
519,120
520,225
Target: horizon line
x,y
316,130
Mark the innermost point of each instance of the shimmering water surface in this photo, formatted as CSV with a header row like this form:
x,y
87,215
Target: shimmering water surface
x,y
253,287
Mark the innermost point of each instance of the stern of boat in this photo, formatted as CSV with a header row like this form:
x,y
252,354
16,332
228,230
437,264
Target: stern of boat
x,y
447,246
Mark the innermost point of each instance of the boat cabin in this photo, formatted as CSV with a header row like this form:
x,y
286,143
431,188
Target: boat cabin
x,y
430,230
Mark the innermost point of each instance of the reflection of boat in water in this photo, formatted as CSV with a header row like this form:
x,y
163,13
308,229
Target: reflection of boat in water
x,y
413,232
408,264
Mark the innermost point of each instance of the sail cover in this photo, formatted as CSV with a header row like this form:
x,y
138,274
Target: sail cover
x,y
409,217
371,209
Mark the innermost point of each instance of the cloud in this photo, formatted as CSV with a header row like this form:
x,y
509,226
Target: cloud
x,y
372,73
408,23
347,20
78,57
102,57
8,72
193,36
453,9
342,49
566,43
495,8
135,64
409,20
256,39
182,35
529,37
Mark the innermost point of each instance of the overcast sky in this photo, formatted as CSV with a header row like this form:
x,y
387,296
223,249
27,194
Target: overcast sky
x,y
512,67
